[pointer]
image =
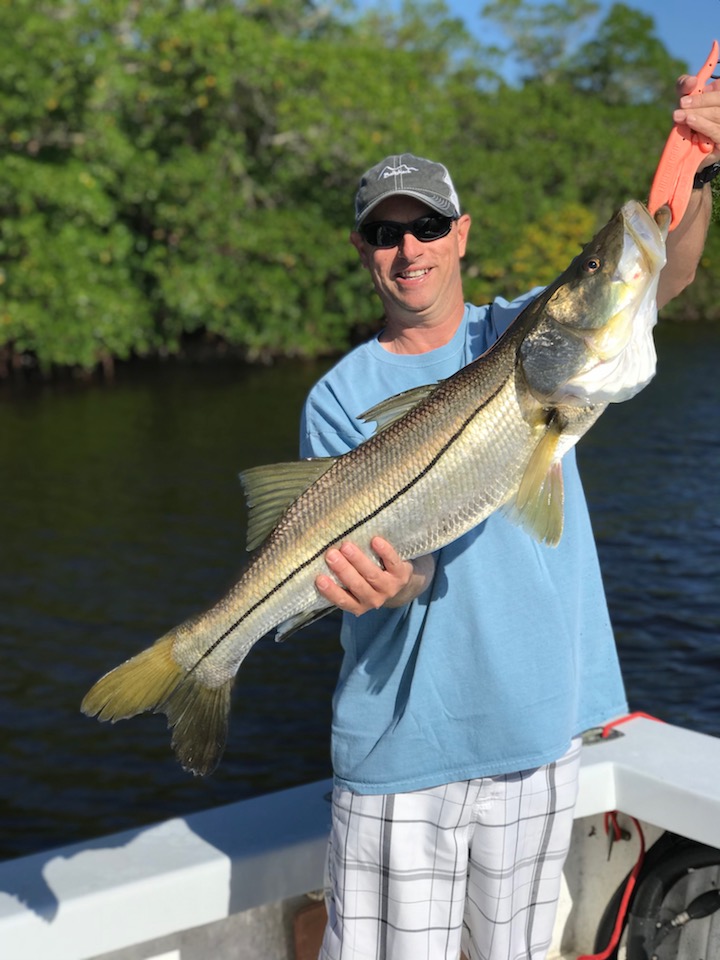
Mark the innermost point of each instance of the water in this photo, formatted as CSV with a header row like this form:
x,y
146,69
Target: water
x,y
122,514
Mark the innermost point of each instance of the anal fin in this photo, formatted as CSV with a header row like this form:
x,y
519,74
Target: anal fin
x,y
304,619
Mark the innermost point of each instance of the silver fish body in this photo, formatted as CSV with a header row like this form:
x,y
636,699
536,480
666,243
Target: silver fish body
x,y
442,460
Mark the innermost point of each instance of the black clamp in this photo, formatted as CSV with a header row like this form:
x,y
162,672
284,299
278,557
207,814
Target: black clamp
x,y
705,175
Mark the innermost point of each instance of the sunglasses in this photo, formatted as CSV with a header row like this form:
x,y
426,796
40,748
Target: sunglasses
x,y
388,233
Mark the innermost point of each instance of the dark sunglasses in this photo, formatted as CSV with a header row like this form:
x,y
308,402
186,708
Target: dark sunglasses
x,y
388,233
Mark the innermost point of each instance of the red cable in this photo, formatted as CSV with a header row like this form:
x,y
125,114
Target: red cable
x,y
611,823
622,911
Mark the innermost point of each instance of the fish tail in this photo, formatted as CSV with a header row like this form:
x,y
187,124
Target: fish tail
x,y
153,680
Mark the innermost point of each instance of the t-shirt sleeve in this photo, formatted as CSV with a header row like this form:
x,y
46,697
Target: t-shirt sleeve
x,y
505,311
327,429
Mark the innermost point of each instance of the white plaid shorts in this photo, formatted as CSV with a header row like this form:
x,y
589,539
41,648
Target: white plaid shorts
x,y
475,864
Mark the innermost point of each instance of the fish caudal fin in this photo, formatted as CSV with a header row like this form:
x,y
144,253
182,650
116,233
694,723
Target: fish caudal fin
x,y
153,680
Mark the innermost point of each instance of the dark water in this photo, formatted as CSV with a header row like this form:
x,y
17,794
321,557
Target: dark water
x,y
122,514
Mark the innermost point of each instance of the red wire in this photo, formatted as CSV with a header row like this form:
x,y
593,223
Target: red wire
x,y
627,893
611,823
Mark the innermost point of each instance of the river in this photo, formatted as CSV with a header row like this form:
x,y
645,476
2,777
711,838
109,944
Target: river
x,y
122,514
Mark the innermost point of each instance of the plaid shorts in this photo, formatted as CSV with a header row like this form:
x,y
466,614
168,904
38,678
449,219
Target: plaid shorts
x,y
475,864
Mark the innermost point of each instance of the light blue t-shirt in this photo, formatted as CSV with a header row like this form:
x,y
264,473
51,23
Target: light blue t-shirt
x,y
506,656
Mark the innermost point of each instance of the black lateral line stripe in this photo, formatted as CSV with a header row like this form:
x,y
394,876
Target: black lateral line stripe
x,y
351,529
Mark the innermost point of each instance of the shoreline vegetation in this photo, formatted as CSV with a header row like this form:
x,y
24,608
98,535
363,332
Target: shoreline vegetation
x,y
176,178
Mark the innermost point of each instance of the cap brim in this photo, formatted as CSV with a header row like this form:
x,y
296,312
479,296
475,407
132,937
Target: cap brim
x,y
439,204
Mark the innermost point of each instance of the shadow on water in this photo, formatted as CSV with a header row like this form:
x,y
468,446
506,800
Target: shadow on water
x,y
122,514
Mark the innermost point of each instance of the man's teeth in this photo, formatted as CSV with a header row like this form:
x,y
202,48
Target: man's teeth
x,y
412,274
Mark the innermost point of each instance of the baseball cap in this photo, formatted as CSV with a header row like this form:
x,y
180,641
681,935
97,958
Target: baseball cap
x,y
410,176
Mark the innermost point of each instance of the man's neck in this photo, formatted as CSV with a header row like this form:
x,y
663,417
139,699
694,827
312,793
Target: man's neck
x,y
411,335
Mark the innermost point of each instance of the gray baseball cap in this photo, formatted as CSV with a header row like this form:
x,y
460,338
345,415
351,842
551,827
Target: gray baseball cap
x,y
410,176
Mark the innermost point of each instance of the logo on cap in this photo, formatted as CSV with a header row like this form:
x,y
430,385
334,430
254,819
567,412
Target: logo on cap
x,y
396,171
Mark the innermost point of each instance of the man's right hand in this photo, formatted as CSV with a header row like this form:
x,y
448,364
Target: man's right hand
x,y
364,585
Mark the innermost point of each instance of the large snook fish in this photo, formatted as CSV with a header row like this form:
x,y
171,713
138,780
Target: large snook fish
x,y
443,458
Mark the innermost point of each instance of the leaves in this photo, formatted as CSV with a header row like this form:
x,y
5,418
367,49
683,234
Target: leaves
x,y
173,168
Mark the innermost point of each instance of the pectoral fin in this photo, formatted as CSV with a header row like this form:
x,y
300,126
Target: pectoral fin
x,y
269,491
539,502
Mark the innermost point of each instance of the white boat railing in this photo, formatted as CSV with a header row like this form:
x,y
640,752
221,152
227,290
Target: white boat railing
x,y
137,887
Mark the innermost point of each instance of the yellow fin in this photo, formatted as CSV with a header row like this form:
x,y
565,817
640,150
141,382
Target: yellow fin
x,y
389,411
139,684
152,680
269,491
539,502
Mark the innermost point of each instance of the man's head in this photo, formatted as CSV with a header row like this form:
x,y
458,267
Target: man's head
x,y
408,176
411,236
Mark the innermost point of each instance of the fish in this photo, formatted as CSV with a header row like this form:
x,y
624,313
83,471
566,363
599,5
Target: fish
x,y
443,457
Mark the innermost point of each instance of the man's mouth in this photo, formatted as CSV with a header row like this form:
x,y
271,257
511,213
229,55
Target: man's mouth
x,y
412,274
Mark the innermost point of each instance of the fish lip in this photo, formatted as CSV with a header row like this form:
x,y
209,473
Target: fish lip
x,y
648,234
663,219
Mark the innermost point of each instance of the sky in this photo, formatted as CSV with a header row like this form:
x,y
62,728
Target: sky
x,y
686,28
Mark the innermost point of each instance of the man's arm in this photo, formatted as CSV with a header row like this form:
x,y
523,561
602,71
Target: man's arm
x,y
685,246
686,243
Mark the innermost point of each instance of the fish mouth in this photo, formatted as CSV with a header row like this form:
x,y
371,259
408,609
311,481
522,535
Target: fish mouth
x,y
648,233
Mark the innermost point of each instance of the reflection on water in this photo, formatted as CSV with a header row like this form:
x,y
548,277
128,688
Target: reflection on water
x,y
122,514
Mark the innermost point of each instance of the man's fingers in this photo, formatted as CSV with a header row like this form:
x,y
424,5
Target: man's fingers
x,y
386,552
358,583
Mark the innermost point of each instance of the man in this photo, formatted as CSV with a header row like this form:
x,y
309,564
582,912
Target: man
x,y
470,675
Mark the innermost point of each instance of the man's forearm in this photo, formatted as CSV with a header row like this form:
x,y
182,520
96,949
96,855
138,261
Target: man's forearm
x,y
685,246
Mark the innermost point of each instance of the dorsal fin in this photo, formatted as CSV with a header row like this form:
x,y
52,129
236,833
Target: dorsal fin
x,y
389,411
270,489
538,505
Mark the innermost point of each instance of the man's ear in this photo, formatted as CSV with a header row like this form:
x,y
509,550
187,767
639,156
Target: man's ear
x,y
357,241
463,229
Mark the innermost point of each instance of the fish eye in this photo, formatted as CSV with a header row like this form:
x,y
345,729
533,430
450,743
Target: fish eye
x,y
592,264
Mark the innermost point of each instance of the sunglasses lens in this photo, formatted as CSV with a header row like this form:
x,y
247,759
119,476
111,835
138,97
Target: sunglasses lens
x,y
431,228
387,233
383,233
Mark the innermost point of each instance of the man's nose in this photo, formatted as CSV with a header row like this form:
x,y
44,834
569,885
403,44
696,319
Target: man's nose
x,y
409,246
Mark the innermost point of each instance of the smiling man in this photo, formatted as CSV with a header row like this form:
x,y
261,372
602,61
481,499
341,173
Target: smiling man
x,y
415,267
471,673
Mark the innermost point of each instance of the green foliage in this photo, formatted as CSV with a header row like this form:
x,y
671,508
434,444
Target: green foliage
x,y
541,35
625,62
173,167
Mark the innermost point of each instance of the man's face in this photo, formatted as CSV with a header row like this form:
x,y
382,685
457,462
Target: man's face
x,y
421,280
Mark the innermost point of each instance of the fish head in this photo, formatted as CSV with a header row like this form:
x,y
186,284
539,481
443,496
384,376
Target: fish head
x,y
593,295
592,342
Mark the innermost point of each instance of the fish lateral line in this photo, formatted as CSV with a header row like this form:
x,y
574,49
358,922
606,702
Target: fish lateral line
x,y
432,463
